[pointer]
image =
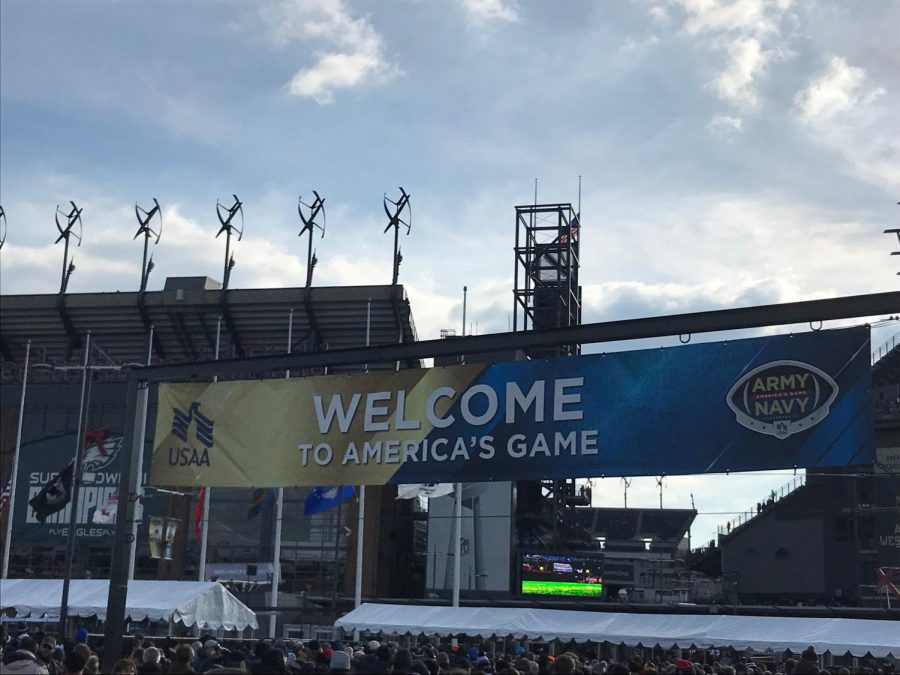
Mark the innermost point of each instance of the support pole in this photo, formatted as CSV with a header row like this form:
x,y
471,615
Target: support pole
x,y
15,466
360,533
457,543
337,547
276,567
73,501
465,297
361,515
279,500
135,420
139,470
204,529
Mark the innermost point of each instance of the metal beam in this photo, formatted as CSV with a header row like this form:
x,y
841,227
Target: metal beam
x,y
634,329
229,322
808,311
74,340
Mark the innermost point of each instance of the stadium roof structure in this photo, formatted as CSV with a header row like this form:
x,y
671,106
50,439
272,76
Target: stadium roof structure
x,y
636,523
186,314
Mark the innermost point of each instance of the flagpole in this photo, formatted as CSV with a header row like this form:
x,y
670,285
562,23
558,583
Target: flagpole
x,y
360,532
457,543
279,508
15,466
139,473
73,502
337,545
207,497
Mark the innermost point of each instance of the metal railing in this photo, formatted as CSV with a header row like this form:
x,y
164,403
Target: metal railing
x,y
762,506
885,349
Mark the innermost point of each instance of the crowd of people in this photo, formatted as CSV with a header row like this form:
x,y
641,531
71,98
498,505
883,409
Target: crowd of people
x,y
43,654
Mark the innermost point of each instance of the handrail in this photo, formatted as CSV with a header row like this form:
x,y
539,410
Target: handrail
x,y
763,506
885,349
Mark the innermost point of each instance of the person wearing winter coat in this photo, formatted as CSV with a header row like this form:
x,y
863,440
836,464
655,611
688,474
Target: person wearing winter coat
x,y
23,660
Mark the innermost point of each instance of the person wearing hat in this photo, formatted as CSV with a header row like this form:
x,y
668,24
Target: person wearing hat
x,y
81,635
340,662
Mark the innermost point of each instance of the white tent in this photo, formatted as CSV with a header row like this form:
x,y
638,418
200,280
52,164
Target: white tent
x,y
857,636
205,603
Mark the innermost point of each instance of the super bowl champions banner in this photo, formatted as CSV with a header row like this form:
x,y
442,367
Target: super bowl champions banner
x,y
43,458
744,405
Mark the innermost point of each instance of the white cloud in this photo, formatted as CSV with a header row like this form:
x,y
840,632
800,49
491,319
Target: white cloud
x,y
746,32
481,13
735,83
843,112
353,52
834,91
725,126
747,16
632,46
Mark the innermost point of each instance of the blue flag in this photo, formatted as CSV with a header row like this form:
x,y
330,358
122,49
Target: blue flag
x,y
324,498
262,499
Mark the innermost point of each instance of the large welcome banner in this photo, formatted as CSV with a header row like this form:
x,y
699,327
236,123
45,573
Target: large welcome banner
x,y
744,405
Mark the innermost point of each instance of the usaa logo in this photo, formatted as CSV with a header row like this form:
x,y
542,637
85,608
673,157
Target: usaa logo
x,y
190,455
781,398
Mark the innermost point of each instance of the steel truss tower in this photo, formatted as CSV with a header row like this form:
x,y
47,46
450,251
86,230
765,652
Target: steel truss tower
x,y
547,292
547,296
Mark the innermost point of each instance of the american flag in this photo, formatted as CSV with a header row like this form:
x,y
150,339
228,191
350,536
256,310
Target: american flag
x,y
7,493
573,231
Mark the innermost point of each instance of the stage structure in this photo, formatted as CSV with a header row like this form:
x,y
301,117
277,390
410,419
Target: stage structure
x,y
547,295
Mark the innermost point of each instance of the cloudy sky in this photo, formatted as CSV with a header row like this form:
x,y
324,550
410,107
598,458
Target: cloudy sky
x,y
732,153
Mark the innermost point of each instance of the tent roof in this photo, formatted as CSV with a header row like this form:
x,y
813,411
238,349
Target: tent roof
x,y
857,636
205,603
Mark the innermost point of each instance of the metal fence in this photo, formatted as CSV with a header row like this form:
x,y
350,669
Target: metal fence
x,y
762,506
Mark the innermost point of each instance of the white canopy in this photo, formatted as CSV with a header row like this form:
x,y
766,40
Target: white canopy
x,y
857,636
205,603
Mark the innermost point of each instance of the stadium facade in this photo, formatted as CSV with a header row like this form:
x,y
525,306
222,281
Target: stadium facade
x,y
182,323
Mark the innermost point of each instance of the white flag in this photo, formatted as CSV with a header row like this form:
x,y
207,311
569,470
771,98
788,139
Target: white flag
x,y
106,514
426,490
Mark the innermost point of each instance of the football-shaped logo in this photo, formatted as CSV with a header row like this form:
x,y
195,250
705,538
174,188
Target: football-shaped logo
x,y
781,398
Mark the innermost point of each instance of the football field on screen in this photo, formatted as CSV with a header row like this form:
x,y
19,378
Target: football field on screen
x,y
530,587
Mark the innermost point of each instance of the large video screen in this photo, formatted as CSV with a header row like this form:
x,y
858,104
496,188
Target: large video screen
x,y
553,574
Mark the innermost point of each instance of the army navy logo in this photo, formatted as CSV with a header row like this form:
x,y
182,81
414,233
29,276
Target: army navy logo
x,y
782,398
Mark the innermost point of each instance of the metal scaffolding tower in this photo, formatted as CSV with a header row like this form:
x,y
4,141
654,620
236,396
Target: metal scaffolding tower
x,y
547,292
548,296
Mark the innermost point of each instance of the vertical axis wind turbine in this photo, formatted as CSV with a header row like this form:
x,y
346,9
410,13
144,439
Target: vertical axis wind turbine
x,y
73,218
144,218
226,216
395,221
2,227
310,224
